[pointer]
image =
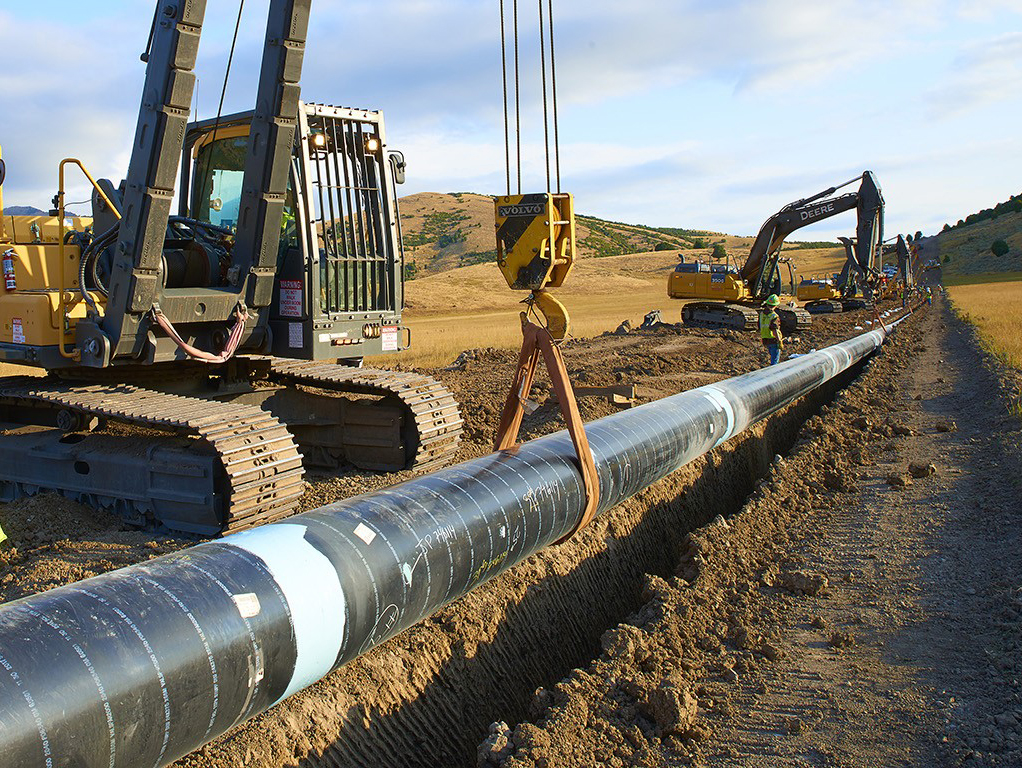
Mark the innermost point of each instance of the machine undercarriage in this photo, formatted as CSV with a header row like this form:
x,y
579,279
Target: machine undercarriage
x,y
741,317
209,451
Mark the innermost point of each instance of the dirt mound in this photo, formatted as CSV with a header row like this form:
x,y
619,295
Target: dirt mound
x,y
54,541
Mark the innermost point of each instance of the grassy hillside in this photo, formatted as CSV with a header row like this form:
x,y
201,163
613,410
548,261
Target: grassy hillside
x,y
995,309
964,250
448,231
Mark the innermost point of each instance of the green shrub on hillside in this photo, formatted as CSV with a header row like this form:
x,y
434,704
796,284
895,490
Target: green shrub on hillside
x,y
999,248
811,245
1012,205
477,257
450,238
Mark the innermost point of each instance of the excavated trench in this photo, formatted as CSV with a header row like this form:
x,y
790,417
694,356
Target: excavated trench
x,y
427,697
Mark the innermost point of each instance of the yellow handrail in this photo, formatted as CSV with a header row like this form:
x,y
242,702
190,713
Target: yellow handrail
x,y
67,298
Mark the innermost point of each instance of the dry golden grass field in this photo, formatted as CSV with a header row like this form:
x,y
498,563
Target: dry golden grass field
x,y
996,311
472,307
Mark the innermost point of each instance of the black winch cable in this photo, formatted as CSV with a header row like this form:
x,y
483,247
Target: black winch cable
x,y
549,95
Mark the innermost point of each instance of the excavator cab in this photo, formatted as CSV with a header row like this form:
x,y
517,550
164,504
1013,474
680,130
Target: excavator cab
x,y
338,285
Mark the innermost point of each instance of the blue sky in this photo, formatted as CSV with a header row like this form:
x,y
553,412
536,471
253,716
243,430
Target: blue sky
x,y
685,113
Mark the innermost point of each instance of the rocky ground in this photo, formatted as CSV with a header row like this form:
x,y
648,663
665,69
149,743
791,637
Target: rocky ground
x,y
852,602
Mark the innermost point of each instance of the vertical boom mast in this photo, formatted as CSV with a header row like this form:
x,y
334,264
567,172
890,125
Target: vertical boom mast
x,y
136,283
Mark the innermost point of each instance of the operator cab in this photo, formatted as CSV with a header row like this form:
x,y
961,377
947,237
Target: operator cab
x,y
699,266
338,288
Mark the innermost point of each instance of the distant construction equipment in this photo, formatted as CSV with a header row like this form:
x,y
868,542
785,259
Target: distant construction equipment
x,y
728,296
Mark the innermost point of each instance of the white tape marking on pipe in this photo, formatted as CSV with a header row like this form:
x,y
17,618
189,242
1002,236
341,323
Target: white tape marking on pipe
x,y
313,592
365,533
248,604
722,404
833,359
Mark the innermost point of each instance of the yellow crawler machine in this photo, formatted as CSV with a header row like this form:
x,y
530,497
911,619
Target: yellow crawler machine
x,y
860,276
729,296
193,358
729,300
816,289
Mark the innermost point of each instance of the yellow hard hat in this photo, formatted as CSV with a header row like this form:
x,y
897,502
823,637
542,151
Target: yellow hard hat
x,y
771,300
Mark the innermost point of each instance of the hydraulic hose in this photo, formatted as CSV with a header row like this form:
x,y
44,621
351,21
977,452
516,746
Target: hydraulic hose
x,y
140,666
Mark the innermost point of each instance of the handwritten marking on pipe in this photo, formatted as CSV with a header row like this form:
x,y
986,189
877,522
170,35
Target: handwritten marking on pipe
x,y
487,566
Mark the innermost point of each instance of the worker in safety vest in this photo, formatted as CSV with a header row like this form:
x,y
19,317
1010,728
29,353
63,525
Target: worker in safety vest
x,y
770,328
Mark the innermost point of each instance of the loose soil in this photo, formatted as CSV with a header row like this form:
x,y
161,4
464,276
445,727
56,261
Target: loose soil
x,y
812,609
863,608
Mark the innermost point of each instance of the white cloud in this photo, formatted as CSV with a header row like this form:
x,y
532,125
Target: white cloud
x,y
985,72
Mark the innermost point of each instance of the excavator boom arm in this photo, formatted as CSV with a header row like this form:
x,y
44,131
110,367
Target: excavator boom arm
x,y
760,267
762,261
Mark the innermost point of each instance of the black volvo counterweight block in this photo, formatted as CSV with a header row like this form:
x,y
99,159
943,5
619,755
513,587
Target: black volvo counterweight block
x,y
142,665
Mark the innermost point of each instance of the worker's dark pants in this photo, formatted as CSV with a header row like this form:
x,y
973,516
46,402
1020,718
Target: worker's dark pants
x,y
775,353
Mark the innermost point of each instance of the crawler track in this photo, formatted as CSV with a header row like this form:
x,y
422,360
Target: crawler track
x,y
739,317
262,467
437,424
712,314
824,307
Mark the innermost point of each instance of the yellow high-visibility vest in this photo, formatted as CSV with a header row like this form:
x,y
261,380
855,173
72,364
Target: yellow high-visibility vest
x,y
765,319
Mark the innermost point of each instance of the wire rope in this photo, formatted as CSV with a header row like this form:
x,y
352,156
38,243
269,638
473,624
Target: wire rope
x,y
546,109
503,70
553,96
223,94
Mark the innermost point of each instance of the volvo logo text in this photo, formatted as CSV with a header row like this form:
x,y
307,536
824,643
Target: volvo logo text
x,y
529,209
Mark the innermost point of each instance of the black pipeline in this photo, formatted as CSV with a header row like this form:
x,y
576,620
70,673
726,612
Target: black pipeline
x,y
140,666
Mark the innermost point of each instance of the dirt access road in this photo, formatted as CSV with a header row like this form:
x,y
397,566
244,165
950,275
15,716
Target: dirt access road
x,y
849,615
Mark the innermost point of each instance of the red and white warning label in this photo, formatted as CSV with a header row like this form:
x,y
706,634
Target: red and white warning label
x,y
290,298
389,337
17,331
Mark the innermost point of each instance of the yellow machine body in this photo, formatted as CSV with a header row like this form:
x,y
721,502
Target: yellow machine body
x,y
812,289
535,239
725,286
31,314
